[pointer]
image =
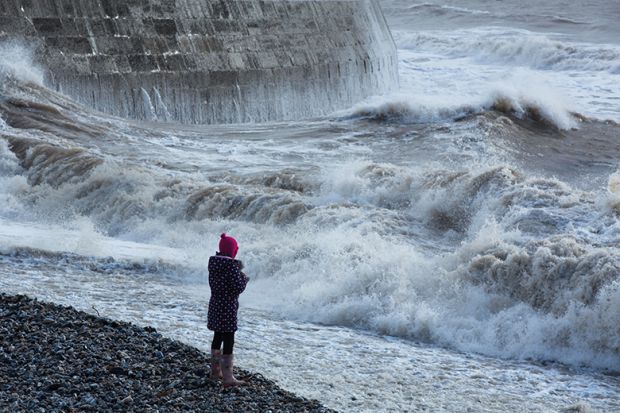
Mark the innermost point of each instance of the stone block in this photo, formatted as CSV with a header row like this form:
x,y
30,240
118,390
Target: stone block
x,y
143,63
123,10
103,64
185,44
102,27
81,28
77,45
66,8
223,26
223,77
215,62
47,26
122,63
251,77
173,63
300,58
191,62
109,8
209,28
81,65
154,45
165,27
196,26
198,44
162,8
284,58
267,9
124,27
16,25
89,9
172,44
267,60
8,8
220,10
214,44
119,45
251,61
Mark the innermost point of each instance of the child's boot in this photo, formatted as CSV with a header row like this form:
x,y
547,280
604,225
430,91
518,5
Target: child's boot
x,y
227,371
216,369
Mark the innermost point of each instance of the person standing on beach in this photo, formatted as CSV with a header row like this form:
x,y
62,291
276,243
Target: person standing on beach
x,y
227,282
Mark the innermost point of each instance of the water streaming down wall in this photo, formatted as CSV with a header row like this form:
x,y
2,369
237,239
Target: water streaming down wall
x,y
204,61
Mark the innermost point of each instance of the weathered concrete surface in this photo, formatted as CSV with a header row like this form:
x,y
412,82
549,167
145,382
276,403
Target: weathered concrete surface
x,y
206,61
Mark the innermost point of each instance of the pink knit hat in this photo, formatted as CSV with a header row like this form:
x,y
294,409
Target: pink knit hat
x,y
228,246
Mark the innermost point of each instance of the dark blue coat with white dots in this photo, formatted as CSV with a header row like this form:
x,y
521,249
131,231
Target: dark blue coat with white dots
x,y
227,282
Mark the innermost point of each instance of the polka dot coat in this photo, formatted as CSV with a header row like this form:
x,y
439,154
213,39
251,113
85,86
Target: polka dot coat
x,y
227,282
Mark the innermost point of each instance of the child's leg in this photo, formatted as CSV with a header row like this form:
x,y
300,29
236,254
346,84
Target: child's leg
x,y
227,361
229,342
218,337
216,355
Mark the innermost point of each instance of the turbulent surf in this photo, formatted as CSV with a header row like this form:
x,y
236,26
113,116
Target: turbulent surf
x,y
471,217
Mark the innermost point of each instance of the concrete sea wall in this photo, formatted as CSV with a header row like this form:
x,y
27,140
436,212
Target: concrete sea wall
x,y
209,61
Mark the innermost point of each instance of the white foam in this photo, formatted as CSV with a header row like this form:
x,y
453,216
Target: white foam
x,y
518,93
17,61
80,237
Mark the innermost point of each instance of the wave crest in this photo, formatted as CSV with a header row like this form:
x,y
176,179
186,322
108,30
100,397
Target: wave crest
x,y
516,48
522,97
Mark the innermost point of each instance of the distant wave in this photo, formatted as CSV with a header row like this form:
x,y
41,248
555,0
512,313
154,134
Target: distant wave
x,y
522,103
560,19
515,47
438,9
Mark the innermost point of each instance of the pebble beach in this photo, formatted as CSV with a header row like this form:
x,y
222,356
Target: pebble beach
x,y
57,359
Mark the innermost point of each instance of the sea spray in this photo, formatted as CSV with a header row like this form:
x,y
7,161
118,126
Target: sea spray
x,y
17,62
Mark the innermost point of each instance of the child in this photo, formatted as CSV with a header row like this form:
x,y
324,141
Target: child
x,y
227,281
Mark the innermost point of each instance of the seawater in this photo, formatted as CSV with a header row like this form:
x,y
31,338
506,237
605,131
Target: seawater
x,y
450,247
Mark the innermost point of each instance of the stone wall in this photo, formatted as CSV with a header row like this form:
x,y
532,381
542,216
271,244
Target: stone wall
x,y
206,61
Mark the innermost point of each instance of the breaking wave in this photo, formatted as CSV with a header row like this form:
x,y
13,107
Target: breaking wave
x,y
444,9
116,196
515,48
516,280
540,106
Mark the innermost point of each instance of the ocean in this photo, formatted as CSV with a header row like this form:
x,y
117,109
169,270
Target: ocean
x,y
451,247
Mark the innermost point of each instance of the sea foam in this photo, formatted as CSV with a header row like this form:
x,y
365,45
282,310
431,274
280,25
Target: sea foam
x,y
523,96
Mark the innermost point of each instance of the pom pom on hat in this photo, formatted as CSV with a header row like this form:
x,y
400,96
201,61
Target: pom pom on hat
x,y
228,246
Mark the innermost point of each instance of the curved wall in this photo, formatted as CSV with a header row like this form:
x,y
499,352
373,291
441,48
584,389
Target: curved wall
x,y
204,61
